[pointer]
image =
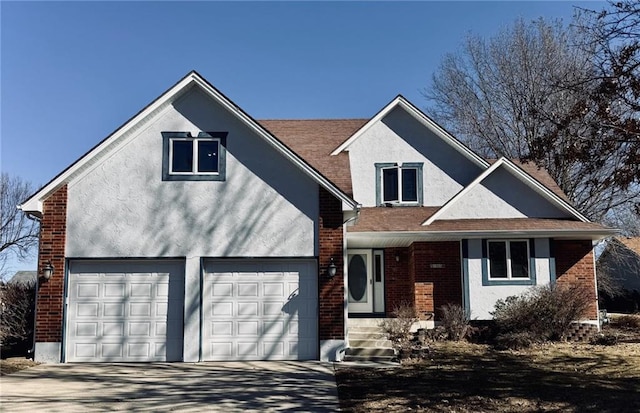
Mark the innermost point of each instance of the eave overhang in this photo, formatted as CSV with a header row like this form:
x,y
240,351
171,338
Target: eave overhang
x,y
376,239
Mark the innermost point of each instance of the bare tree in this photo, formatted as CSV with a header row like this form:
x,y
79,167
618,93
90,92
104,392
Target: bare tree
x,y
17,303
18,233
525,94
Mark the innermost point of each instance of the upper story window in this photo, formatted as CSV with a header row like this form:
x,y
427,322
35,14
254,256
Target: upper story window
x,y
399,184
188,158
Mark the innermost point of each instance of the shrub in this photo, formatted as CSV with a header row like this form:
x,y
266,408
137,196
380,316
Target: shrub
x,y
515,340
16,317
604,339
482,332
437,333
544,312
455,321
629,322
398,329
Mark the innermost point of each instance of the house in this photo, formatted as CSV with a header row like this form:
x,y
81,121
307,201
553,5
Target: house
x,y
24,278
195,232
620,260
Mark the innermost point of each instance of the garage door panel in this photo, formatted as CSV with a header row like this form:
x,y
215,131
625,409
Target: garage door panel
x,y
251,309
114,290
115,315
113,309
112,329
86,350
88,310
274,349
89,290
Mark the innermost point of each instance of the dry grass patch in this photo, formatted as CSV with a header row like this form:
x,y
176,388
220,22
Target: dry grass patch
x,y
463,377
13,364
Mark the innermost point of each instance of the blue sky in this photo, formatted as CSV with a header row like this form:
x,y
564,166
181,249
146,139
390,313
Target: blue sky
x,y
72,72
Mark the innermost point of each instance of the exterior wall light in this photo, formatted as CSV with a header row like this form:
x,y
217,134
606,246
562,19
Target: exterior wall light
x,y
331,269
47,271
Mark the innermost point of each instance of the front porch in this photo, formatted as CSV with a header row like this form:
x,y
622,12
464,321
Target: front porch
x,y
426,275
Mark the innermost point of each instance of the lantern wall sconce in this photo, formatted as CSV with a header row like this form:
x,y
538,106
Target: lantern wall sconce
x,y
331,268
47,271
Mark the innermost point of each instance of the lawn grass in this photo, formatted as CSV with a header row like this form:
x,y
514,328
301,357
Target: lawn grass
x,y
464,377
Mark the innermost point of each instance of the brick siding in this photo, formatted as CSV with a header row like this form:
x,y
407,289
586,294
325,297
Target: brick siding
x,y
574,266
398,278
445,281
331,290
53,230
411,280
424,300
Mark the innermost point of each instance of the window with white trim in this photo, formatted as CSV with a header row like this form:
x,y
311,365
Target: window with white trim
x,y
508,259
194,158
399,184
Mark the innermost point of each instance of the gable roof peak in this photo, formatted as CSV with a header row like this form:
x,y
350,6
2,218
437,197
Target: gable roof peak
x,y
34,205
520,174
401,102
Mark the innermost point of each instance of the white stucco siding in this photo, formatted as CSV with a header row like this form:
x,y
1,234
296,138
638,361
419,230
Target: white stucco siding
x,y
122,208
502,195
400,138
482,298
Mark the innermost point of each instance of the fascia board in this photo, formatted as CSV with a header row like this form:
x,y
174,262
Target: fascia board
x,y
425,235
522,176
442,133
543,190
378,116
463,192
276,143
34,203
420,117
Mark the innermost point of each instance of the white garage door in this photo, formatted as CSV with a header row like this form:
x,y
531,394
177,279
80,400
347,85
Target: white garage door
x,y
260,310
125,311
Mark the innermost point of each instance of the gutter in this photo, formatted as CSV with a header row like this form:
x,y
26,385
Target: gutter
x,y
578,234
355,217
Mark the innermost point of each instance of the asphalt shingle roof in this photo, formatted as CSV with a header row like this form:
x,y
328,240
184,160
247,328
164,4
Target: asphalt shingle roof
x,y
411,219
315,139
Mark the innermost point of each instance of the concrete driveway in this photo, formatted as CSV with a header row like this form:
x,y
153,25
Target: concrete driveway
x,y
229,386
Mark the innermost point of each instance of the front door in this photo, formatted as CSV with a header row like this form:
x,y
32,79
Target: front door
x,y
360,281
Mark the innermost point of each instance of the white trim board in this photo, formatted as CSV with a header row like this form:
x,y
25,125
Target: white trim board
x,y
403,103
121,135
522,176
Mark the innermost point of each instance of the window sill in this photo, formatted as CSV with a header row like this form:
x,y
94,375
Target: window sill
x,y
170,177
399,204
511,281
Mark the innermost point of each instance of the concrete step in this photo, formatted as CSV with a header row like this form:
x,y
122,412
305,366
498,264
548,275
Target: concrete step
x,y
369,352
365,322
365,329
368,342
365,359
366,336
